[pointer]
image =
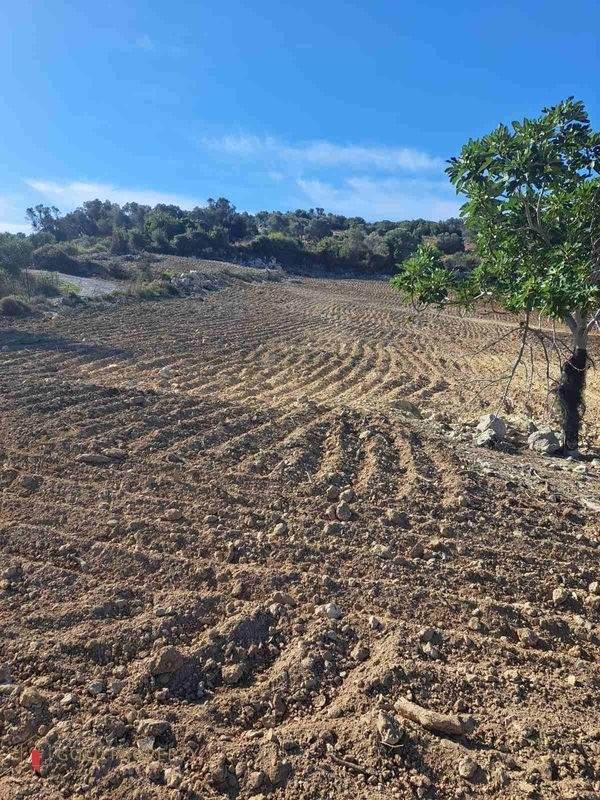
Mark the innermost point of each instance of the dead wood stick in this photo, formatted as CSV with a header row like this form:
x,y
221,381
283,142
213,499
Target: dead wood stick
x,y
431,720
348,764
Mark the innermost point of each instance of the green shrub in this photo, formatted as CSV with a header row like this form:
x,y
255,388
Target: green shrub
x,y
450,243
138,239
42,285
88,246
148,290
12,306
41,238
8,283
191,243
156,289
461,264
119,242
284,249
15,252
58,258
116,270
72,298
54,258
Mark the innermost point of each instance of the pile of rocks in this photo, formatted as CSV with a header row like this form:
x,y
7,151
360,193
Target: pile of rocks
x,y
194,282
197,282
491,430
339,511
262,263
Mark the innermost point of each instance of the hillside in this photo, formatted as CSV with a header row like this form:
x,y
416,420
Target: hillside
x,y
239,531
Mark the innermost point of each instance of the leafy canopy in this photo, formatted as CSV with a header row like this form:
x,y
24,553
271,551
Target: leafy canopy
x,y
15,252
533,205
299,238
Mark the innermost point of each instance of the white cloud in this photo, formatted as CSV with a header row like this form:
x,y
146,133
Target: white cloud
x,y
74,193
144,42
390,198
323,154
9,214
14,227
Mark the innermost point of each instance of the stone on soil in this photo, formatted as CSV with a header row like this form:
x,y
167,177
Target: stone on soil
x,y
491,422
544,441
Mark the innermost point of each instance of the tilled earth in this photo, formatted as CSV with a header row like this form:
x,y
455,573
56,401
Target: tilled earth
x,y
237,532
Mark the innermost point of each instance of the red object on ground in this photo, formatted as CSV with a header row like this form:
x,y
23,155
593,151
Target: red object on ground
x,y
36,759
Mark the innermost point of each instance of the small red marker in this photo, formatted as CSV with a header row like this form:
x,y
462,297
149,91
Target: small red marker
x,y
36,760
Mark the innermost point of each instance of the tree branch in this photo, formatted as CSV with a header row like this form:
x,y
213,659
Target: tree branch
x,y
535,227
570,322
517,360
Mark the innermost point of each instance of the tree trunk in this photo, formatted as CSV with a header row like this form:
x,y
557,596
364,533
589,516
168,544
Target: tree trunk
x,y
572,382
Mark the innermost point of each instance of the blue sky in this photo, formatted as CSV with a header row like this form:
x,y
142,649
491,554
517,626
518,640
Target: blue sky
x,y
353,106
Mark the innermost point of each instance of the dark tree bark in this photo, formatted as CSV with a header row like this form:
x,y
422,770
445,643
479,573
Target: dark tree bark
x,y
570,396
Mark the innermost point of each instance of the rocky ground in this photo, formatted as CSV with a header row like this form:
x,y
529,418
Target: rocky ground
x,y
249,549
85,287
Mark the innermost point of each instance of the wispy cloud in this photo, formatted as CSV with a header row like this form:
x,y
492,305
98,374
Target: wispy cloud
x,y
366,196
322,153
144,42
389,198
9,214
14,227
68,195
353,179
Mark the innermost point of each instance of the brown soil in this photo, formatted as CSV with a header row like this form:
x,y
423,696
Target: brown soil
x,y
163,601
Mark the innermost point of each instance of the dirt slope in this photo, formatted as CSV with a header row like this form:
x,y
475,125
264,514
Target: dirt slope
x,y
181,613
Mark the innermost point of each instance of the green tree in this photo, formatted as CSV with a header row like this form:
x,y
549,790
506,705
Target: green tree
x,y
138,239
163,223
318,228
15,252
218,238
45,219
191,243
119,241
136,214
450,243
401,242
533,203
284,249
352,246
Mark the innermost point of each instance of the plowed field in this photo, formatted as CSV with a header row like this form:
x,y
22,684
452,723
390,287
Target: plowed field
x,y
183,613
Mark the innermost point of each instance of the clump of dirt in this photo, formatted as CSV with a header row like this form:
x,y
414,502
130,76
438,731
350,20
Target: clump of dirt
x,y
248,552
